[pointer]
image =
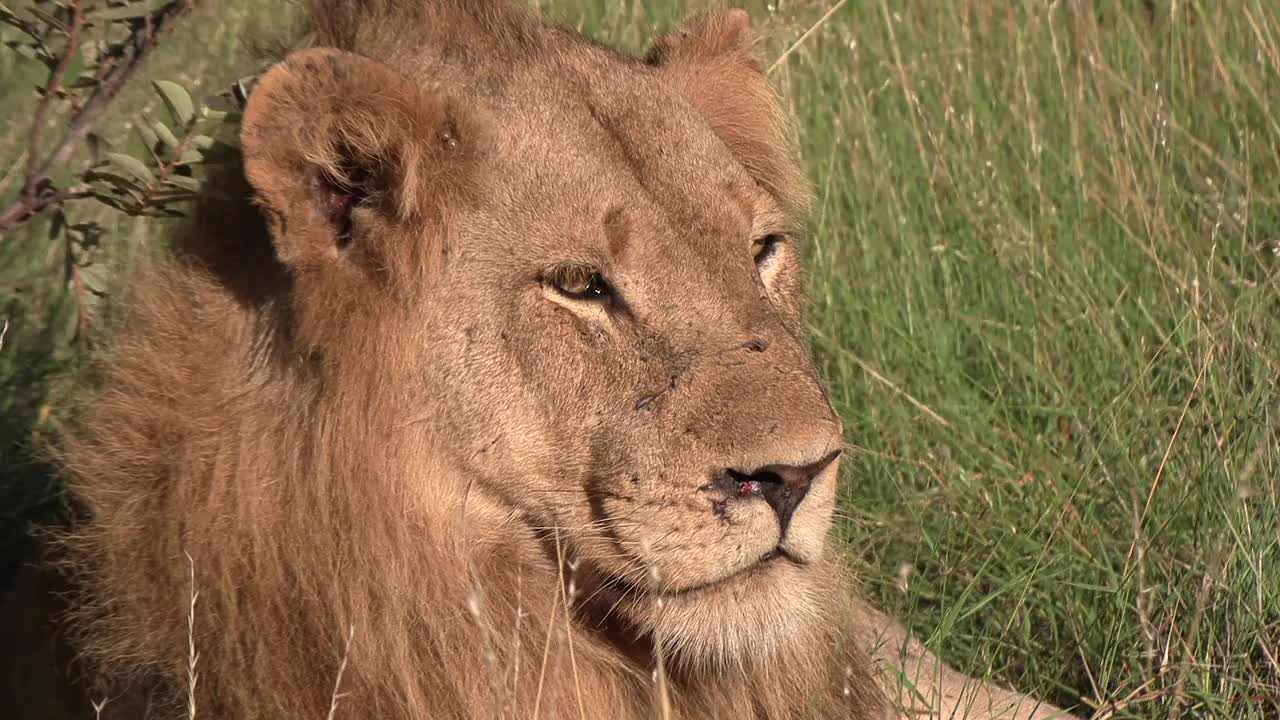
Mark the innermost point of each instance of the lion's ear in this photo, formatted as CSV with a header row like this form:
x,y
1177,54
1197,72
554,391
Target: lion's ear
x,y
332,140
712,63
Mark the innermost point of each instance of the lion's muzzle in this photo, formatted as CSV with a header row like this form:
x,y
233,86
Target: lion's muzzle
x,y
783,487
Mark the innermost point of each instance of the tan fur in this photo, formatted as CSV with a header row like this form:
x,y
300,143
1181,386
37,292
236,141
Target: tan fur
x,y
404,435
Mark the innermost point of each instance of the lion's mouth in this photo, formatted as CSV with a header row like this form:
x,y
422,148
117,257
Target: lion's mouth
x,y
769,559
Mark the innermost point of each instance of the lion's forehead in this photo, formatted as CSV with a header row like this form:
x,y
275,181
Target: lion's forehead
x,y
610,131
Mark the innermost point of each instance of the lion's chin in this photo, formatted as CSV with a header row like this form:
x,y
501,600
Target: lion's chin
x,y
740,622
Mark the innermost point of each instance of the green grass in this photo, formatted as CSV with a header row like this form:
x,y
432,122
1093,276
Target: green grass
x,y
1046,281
1047,302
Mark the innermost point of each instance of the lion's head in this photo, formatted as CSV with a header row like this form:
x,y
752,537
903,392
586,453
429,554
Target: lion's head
x,y
522,330
597,258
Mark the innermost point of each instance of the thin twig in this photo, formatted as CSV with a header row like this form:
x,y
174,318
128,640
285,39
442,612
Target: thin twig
x,y
26,208
51,90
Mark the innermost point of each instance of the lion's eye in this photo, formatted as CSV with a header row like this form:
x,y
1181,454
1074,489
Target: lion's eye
x,y
766,248
579,282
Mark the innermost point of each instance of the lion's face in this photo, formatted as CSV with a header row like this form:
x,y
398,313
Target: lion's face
x,y
621,360
606,297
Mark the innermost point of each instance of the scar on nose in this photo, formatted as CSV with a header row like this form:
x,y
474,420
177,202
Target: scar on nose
x,y
756,345
645,402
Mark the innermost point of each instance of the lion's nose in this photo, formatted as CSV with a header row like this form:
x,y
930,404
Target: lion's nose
x,y
783,487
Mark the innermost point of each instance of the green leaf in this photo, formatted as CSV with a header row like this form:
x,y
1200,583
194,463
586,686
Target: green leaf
x,y
131,166
171,195
190,157
164,212
165,134
177,100
217,107
114,203
124,12
25,50
116,180
48,19
148,136
57,224
186,183
95,278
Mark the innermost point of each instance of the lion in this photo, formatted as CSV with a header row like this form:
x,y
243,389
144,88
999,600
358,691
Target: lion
x,y
480,389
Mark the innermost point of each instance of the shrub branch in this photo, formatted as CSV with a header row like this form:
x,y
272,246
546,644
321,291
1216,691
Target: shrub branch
x,y
38,192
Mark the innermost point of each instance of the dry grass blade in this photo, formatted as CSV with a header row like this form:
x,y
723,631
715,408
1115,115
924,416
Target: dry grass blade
x,y
546,654
1173,438
568,624
193,657
342,668
800,41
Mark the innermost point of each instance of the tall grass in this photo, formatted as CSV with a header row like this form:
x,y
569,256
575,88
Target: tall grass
x,y
1045,262
1045,277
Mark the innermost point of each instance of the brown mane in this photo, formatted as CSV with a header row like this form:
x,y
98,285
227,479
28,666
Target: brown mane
x,y
229,478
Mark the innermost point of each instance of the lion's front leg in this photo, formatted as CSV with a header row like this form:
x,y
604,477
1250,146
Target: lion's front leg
x,y
922,686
